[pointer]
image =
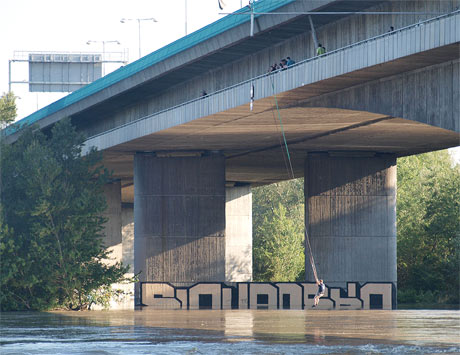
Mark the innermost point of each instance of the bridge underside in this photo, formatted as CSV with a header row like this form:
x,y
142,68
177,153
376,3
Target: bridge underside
x,y
381,113
253,145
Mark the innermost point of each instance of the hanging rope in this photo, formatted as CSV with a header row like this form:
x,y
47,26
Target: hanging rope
x,y
281,143
307,239
310,252
291,170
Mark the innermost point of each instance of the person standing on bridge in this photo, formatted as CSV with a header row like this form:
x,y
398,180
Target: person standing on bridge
x,y
290,61
283,64
320,50
273,68
320,292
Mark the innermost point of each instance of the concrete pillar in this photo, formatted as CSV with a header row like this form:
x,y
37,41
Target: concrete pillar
x,y
127,233
117,242
179,217
238,234
350,213
112,228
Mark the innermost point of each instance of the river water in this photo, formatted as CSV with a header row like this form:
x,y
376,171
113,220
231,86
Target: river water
x,y
231,332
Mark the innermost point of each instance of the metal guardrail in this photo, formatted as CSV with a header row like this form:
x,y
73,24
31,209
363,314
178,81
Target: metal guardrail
x,y
81,56
251,80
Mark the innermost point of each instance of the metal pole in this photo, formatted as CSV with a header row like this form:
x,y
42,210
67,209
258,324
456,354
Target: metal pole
x,y
313,32
252,18
139,22
103,58
9,75
185,17
338,13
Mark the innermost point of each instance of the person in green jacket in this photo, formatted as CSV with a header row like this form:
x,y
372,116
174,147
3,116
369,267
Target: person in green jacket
x,y
320,50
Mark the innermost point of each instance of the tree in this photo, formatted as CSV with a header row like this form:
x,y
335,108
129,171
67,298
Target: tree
x,y
288,193
51,229
278,216
428,217
7,109
278,249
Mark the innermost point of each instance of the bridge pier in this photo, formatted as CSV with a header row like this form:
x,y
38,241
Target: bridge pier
x,y
112,228
238,234
127,232
350,214
179,217
189,226
118,241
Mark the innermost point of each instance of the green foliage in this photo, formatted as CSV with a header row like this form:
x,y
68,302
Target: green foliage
x,y
288,193
278,244
428,227
104,295
51,227
7,109
410,296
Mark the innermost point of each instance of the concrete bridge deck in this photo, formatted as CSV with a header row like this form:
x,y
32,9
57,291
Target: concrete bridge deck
x,y
382,112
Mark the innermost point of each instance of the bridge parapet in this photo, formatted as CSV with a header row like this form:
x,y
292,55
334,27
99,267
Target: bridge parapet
x,y
420,45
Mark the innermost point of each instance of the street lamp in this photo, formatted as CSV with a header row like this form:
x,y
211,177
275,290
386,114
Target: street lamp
x,y
123,20
103,50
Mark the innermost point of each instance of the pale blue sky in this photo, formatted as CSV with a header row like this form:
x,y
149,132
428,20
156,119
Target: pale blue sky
x,y
66,25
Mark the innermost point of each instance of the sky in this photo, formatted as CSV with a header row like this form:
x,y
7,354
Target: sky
x,y
67,25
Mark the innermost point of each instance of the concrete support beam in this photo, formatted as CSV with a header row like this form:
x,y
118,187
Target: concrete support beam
x,y
127,232
179,217
238,234
112,228
350,213
119,243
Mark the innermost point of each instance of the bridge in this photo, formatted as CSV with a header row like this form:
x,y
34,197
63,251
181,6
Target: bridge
x,y
186,163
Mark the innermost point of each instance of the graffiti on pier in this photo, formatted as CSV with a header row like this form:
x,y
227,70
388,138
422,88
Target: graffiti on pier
x,y
265,295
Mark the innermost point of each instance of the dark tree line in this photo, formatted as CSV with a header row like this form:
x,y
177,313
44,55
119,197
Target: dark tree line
x,y
428,217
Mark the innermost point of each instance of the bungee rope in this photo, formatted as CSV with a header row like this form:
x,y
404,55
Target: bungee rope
x,y
291,174
291,171
312,260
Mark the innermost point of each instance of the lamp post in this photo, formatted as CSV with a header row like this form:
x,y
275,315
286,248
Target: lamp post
x,y
103,50
123,20
185,4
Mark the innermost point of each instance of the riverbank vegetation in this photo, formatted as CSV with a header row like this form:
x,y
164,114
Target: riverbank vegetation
x,y
278,225
428,221
51,222
428,217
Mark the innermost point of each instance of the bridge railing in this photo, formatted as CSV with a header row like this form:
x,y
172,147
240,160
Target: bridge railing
x,y
367,53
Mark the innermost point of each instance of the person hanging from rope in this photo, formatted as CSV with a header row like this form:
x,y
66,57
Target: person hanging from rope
x,y
320,283
320,292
